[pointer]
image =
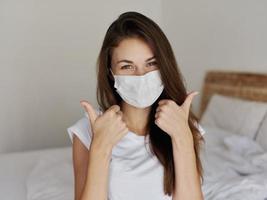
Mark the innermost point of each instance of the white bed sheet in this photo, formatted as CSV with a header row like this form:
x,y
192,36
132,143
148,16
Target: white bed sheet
x,y
15,169
235,167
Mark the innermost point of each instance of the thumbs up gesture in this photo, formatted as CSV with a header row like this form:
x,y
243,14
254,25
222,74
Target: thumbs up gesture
x,y
172,118
108,128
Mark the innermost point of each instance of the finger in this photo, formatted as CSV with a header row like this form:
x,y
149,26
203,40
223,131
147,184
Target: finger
x,y
121,134
156,115
165,107
90,110
163,101
187,103
161,115
114,108
119,113
121,126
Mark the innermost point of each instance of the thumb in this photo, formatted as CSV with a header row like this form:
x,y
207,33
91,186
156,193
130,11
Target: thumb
x,y
187,103
90,110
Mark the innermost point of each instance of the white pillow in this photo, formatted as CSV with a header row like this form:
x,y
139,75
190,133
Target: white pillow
x,y
261,136
234,114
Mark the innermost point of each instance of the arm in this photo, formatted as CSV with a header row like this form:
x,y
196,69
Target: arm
x,y
90,171
107,129
187,180
96,185
173,119
80,165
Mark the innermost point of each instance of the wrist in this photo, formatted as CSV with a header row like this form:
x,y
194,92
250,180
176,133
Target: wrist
x,y
100,149
184,143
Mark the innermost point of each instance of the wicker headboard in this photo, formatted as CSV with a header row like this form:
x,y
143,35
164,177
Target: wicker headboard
x,y
244,85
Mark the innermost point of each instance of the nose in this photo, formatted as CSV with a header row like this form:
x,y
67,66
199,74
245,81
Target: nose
x,y
140,71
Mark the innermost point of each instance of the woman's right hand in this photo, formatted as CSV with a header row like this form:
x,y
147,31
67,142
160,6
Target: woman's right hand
x,y
108,128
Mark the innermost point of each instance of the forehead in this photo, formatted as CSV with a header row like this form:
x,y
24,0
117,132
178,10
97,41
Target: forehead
x,y
133,49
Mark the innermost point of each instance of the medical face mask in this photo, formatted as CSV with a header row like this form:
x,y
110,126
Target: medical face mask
x,y
139,91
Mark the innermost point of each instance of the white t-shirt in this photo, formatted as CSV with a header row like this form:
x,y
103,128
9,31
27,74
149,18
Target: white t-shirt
x,y
134,172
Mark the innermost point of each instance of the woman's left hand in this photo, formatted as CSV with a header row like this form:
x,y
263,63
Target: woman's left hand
x,y
172,118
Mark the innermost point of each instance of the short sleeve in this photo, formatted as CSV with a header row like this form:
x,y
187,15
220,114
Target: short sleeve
x,y
201,129
82,129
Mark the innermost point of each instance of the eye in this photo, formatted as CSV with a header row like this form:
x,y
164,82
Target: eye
x,y
152,63
127,67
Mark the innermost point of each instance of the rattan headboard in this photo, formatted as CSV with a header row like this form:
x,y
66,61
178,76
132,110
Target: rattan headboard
x,y
244,85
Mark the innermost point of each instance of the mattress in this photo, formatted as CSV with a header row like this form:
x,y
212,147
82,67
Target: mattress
x,y
15,169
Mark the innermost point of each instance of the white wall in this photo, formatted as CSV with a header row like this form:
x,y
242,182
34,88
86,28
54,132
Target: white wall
x,y
208,34
48,55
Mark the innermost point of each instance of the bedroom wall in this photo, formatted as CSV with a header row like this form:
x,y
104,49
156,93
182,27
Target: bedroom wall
x,y
47,65
220,35
48,52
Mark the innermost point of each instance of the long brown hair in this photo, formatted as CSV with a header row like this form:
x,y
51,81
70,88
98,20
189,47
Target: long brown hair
x,y
133,24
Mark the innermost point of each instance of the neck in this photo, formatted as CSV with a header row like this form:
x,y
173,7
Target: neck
x,y
136,119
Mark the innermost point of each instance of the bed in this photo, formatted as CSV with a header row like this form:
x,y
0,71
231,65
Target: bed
x,y
233,114
39,174
234,159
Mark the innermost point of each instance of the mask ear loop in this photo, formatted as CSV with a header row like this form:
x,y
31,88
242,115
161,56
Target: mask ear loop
x,y
113,80
111,72
113,75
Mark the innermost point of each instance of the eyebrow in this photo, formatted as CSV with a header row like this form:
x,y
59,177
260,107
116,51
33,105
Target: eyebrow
x,y
129,61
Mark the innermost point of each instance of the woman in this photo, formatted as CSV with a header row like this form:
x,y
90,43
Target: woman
x,y
143,142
